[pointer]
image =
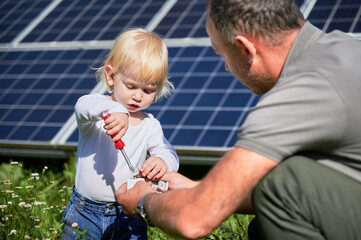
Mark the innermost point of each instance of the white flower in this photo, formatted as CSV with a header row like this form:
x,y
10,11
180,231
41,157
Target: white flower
x,y
34,174
3,206
22,204
9,191
39,203
45,168
12,232
27,237
14,163
74,225
29,186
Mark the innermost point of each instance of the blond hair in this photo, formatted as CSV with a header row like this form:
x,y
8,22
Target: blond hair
x,y
142,56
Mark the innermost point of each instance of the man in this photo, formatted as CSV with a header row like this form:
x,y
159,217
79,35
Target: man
x,y
297,162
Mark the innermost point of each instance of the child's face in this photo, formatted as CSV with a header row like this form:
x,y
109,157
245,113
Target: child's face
x,y
133,95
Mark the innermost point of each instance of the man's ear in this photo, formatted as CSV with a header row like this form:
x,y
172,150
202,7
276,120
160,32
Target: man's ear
x,y
247,47
110,75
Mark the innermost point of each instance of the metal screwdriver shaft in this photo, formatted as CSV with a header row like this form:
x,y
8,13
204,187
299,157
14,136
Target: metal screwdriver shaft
x,y
132,169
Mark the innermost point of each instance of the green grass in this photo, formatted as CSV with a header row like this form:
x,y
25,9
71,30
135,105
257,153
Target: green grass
x,y
33,199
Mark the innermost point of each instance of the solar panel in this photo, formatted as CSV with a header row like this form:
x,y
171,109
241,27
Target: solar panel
x,y
84,20
16,15
49,49
39,90
185,19
343,15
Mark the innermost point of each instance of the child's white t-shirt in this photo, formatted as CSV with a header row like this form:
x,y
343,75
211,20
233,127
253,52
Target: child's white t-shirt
x,y
100,167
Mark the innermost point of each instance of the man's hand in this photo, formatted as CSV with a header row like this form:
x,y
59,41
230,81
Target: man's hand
x,y
153,168
129,199
177,181
116,125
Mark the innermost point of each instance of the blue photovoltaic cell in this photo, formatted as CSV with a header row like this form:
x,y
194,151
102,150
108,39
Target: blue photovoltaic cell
x,y
16,15
185,19
330,15
299,2
40,88
83,20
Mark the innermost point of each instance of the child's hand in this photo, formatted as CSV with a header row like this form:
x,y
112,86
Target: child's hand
x,y
116,124
153,168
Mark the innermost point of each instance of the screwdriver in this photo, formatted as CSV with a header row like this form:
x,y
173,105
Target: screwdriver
x,y
120,145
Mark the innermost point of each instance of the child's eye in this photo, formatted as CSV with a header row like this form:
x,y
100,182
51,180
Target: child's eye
x,y
129,86
149,91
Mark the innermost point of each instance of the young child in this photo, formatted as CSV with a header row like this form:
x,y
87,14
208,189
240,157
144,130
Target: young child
x,y
135,74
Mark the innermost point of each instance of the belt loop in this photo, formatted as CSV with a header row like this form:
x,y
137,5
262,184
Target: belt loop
x,y
81,203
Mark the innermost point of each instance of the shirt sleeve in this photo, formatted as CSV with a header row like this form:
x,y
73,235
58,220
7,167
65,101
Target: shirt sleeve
x,y
303,113
159,146
91,108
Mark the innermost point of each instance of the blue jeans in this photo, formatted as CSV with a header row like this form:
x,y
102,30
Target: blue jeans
x,y
103,220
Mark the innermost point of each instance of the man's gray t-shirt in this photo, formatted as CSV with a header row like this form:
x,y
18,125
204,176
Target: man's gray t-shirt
x,y
315,106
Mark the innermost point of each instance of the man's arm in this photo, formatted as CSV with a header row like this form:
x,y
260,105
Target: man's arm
x,y
195,212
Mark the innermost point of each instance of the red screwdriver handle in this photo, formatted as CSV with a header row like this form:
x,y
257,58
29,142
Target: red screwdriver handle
x,y
119,144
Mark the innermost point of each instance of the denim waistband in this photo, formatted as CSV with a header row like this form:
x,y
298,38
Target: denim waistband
x,y
108,208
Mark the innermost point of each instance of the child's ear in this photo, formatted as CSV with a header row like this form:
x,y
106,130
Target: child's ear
x,y
110,75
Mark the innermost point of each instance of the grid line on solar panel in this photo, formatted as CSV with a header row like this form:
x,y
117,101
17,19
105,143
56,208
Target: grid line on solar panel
x,y
16,15
219,107
93,20
185,19
32,102
337,14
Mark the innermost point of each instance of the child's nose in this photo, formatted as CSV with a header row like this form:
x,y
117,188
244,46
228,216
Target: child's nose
x,y
137,96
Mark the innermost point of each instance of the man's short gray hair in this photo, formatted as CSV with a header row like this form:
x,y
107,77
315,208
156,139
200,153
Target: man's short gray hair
x,y
260,19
